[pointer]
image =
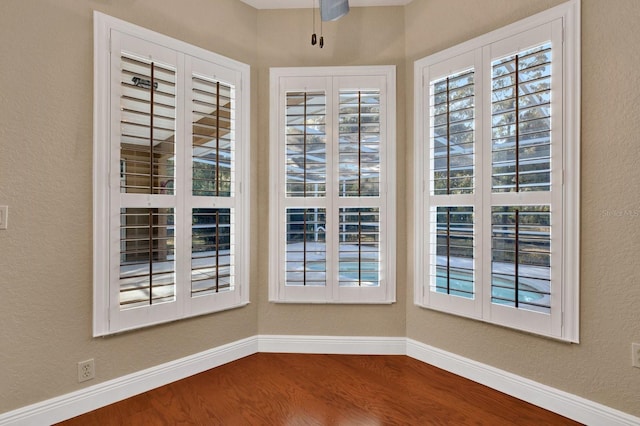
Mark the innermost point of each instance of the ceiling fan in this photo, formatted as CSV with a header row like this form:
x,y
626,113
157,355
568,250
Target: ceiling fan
x,y
330,10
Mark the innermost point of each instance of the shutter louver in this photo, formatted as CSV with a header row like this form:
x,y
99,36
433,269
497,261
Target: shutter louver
x,y
359,249
453,131
521,121
359,144
147,126
212,251
213,137
453,249
306,160
147,257
306,248
521,257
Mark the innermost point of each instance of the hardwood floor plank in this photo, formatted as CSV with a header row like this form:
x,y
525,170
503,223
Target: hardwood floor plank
x,y
321,390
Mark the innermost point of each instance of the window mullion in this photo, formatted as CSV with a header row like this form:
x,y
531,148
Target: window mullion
x,y
333,188
183,184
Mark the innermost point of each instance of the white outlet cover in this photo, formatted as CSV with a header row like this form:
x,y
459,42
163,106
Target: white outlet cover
x,y
4,216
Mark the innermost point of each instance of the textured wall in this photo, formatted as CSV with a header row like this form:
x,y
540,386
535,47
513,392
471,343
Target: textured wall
x,y
45,177
599,368
46,103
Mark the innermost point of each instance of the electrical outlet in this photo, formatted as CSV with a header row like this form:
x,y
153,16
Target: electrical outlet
x,y
4,215
635,353
86,370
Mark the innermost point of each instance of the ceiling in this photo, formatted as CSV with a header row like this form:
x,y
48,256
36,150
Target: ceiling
x,y
295,4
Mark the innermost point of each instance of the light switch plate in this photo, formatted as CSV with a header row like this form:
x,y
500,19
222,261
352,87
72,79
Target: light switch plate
x,y
4,213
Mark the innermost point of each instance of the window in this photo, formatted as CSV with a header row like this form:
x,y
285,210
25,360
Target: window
x,y
332,211
171,147
497,176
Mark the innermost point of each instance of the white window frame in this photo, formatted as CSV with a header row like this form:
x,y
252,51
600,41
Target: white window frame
x,y
563,22
190,60
332,79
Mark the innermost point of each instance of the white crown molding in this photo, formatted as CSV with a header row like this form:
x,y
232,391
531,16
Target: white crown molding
x,y
308,4
87,399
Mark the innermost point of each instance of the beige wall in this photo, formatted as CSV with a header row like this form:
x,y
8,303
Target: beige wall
x,y
46,103
599,368
45,177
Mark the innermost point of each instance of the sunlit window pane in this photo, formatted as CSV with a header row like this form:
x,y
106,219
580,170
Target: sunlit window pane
x,y
147,257
147,126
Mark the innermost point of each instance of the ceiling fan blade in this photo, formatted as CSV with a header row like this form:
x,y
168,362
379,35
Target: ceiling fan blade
x,y
331,10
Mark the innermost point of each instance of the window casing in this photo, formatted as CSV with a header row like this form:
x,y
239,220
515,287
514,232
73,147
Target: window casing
x,y
497,176
170,162
332,211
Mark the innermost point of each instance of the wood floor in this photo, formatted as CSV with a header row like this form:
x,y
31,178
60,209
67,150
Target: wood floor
x,y
302,389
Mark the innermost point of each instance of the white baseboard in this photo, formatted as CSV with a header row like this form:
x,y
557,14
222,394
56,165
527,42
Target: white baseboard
x,y
574,407
88,399
102,394
347,345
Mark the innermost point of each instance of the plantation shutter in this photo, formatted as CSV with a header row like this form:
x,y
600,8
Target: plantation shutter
x,y
213,199
170,218
213,177
496,148
144,269
306,185
453,108
334,164
524,223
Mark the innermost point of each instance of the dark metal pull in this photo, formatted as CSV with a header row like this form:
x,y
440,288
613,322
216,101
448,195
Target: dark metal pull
x,y
313,39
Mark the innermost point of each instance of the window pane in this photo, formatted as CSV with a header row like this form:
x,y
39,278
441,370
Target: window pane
x,y
452,149
452,251
521,121
213,126
147,126
306,163
306,252
212,251
359,147
359,252
521,257
147,257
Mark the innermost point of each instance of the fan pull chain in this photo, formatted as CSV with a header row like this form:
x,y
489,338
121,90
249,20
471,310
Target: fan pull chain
x,y
321,37
314,39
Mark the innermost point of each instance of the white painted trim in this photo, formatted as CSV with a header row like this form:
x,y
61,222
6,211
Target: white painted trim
x,y
346,345
331,80
561,26
110,36
555,400
88,399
